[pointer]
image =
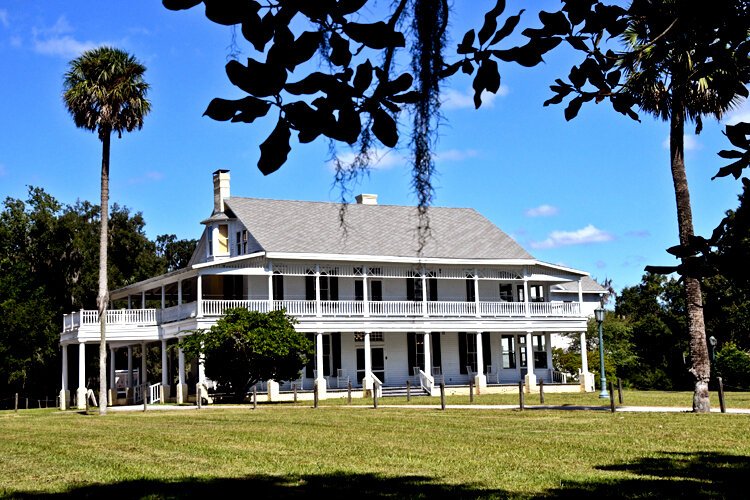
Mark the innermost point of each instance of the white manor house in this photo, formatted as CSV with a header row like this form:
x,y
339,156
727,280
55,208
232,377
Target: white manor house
x,y
473,305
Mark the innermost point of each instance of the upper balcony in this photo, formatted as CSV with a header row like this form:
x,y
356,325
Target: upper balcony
x,y
145,319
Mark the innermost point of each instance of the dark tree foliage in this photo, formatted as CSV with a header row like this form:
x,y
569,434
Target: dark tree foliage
x,y
245,347
49,267
174,253
357,94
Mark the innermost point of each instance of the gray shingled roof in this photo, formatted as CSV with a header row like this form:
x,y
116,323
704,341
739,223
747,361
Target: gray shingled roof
x,y
588,284
388,230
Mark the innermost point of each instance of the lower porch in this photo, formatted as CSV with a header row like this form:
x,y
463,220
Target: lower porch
x,y
490,361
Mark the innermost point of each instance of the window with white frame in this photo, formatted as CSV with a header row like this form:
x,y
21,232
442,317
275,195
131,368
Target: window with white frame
x,y
507,352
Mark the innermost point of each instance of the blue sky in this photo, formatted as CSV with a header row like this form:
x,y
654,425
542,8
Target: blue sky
x,y
595,194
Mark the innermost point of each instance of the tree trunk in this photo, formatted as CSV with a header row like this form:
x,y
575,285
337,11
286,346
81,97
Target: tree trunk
x,y
701,368
103,296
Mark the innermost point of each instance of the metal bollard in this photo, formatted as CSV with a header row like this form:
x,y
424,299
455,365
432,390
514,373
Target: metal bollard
x,y
442,395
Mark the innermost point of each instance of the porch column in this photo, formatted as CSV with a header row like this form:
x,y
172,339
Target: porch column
x,y
427,356
130,304
367,380
530,379
166,389
270,291
64,392
144,375
320,379
163,297
585,378
202,391
129,391
548,347
179,293
81,392
365,294
481,379
476,293
199,291
526,292
182,388
143,299
317,292
424,293
112,383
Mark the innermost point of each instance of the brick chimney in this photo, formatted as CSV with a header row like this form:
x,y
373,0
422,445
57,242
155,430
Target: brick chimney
x,y
221,189
366,199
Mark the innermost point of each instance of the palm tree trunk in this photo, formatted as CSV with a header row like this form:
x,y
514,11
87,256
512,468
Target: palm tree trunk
x,y
103,297
701,368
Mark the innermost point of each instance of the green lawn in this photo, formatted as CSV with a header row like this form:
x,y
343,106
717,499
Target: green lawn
x,y
286,451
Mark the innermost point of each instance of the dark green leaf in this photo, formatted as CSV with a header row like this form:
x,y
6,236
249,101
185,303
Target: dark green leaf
x,y
406,98
466,45
340,55
384,128
345,7
305,47
573,107
258,79
180,4
229,13
245,110
490,22
451,69
507,29
275,149
363,77
555,23
375,35
400,84
312,83
488,78
577,42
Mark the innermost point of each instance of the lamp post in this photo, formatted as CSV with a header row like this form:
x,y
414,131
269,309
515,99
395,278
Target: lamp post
x,y
599,315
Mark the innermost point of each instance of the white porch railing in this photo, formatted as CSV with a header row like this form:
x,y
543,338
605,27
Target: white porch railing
x,y
559,377
114,317
154,393
176,313
426,382
327,308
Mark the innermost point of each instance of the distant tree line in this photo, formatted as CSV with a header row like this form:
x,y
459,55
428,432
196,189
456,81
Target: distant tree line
x,y
645,337
49,267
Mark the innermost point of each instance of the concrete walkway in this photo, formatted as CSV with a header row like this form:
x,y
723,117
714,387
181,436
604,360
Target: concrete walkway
x,y
629,409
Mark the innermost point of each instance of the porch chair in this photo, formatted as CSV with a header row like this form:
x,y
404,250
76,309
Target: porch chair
x,y
341,378
492,375
299,382
472,374
437,374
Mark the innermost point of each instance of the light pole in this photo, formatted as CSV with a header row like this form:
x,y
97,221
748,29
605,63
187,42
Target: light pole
x,y
599,315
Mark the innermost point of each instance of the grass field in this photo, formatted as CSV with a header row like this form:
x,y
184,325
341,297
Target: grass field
x,y
286,451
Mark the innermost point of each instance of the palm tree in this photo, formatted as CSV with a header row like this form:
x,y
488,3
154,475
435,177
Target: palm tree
x,y
677,71
105,92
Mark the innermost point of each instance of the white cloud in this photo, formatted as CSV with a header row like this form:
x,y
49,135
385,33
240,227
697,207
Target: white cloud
x,y
588,234
381,159
456,154
690,142
455,99
4,18
541,211
57,41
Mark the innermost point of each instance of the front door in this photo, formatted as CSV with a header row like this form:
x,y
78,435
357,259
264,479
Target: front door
x,y
378,363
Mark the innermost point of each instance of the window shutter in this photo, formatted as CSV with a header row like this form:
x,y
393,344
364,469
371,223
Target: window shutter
x,y
309,287
278,287
336,350
411,346
486,352
359,290
333,283
462,352
436,357
432,289
410,289
311,365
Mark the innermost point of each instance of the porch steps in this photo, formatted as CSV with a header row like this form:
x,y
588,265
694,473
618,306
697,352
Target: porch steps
x,y
400,392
